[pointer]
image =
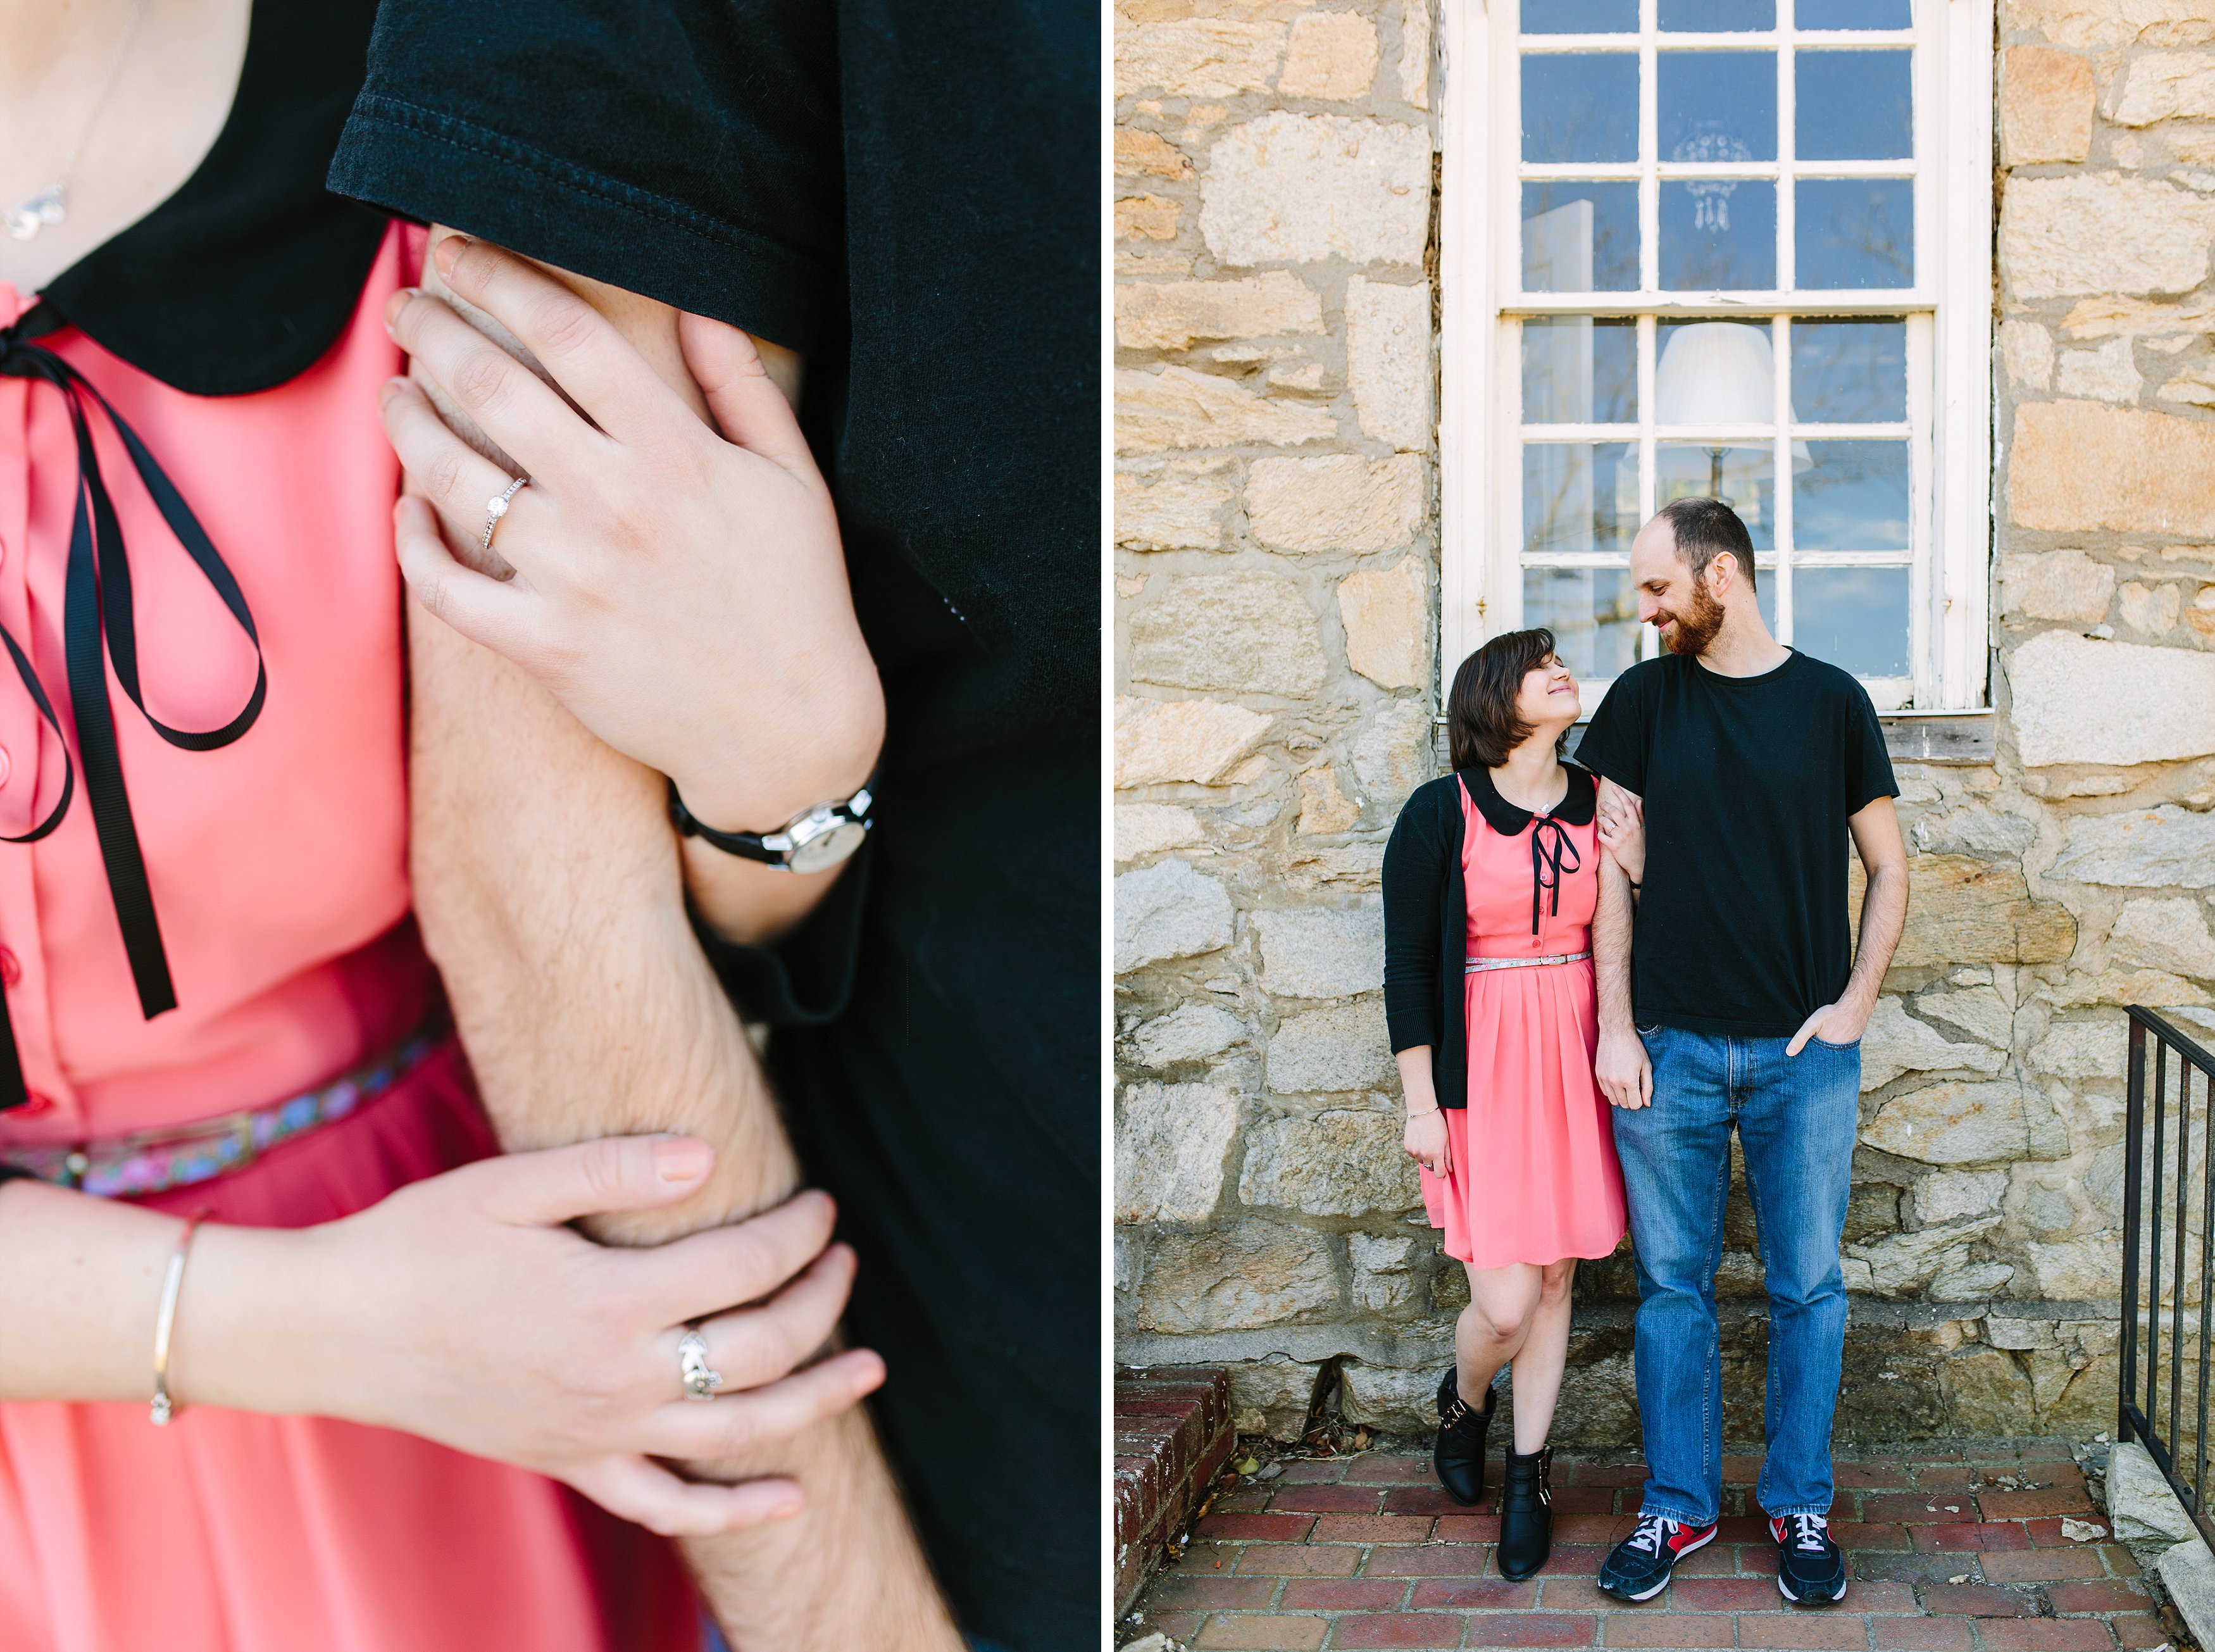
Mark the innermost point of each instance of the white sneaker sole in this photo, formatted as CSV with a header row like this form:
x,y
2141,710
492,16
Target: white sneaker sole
x,y
1689,1548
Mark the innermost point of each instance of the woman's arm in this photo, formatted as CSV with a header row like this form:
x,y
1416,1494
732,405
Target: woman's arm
x,y
1414,883
1424,1138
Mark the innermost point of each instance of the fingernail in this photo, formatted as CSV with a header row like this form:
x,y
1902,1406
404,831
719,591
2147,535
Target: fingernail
x,y
785,1510
448,248
681,1159
388,389
393,306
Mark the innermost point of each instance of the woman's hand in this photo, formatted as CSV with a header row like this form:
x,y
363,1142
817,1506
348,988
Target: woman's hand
x,y
1424,1138
1622,830
462,1308
683,592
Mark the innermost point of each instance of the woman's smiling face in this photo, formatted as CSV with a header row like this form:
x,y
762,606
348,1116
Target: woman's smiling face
x,y
1549,695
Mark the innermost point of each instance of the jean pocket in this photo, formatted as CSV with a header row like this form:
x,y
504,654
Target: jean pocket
x,y
1817,1038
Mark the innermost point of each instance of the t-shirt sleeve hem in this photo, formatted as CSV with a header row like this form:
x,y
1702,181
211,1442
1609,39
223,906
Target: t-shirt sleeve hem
x,y
805,979
439,169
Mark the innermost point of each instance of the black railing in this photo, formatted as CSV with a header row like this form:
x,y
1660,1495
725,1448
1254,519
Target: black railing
x,y
2164,1190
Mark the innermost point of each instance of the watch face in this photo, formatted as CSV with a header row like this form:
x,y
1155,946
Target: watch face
x,y
828,850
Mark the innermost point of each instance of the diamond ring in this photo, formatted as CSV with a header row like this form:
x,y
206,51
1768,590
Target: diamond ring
x,y
498,508
701,1380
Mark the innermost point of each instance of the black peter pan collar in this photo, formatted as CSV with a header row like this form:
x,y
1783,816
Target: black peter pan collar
x,y
246,276
1576,808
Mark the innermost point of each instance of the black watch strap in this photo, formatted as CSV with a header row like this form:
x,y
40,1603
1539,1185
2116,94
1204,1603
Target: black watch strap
x,y
773,848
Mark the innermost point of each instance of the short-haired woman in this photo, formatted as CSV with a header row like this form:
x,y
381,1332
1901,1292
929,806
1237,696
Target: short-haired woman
x,y
1491,882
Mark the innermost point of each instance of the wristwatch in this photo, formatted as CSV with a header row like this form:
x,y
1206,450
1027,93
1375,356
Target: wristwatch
x,y
811,841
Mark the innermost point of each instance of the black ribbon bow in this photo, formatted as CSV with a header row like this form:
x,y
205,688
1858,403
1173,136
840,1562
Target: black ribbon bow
x,y
1555,855
98,624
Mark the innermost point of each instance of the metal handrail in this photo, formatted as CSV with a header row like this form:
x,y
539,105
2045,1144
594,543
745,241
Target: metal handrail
x,y
2143,1420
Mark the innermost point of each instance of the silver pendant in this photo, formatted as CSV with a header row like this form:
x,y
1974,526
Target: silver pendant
x,y
27,218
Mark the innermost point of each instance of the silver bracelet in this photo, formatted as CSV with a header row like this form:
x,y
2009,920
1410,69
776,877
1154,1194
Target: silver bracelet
x,y
164,1408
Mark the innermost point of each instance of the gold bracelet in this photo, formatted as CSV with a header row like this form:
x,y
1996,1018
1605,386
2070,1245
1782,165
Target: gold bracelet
x,y
163,1408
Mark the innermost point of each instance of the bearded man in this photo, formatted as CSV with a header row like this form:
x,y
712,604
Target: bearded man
x,y
1736,1000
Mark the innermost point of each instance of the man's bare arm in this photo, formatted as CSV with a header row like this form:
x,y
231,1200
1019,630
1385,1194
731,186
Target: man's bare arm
x,y
1884,915
1623,1069
549,890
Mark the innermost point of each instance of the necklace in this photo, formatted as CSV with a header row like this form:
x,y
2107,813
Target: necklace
x,y
51,205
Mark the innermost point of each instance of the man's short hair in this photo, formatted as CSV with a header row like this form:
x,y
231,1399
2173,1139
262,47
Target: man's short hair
x,y
1704,529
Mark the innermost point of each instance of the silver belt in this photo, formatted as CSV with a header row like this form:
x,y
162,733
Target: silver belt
x,y
1477,965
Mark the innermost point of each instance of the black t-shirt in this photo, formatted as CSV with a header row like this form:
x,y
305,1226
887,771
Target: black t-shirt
x,y
907,192
1742,928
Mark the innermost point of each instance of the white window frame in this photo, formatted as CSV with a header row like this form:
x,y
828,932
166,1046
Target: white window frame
x,y
1949,336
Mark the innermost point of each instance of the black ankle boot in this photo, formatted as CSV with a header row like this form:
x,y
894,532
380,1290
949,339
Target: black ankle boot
x,y
1526,1512
1459,1455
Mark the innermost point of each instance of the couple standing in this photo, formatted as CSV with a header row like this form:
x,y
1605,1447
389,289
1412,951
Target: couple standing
x,y
1716,789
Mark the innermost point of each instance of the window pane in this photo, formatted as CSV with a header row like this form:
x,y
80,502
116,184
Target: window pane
x,y
1853,14
1580,106
1592,613
1580,497
1855,232
1582,17
1850,496
1580,237
1580,370
1717,16
1855,617
1850,372
1744,478
1717,106
1719,233
1853,105
1764,594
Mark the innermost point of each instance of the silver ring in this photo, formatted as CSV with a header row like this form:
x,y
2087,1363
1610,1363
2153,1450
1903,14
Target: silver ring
x,y
498,508
701,1380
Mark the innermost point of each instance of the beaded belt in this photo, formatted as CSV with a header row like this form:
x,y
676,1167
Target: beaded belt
x,y
155,1161
1477,965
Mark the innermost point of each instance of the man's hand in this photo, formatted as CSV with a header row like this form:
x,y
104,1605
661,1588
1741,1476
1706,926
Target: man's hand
x,y
1625,1072
1623,828
1834,1023
683,592
1884,914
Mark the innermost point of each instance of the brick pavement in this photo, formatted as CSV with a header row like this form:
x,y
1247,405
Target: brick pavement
x,y
1366,1550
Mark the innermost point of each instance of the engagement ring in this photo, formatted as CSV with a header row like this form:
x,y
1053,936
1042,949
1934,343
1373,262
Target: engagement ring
x,y
701,1380
498,508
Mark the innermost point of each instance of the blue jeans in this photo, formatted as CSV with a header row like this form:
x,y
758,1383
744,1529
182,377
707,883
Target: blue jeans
x,y
1796,1118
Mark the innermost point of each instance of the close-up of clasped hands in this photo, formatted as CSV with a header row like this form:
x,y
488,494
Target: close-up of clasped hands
x,y
533,1112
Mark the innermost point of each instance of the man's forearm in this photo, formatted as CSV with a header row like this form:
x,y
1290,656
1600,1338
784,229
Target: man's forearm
x,y
547,889
1611,926
1884,916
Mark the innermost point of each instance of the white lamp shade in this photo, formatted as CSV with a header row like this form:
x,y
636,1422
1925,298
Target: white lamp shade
x,y
1718,373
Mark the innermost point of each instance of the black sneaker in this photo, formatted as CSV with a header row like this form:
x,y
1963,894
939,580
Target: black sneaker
x,y
1639,1569
1810,1569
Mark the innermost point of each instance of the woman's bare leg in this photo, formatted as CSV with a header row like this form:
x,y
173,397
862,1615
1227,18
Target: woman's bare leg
x,y
1543,1351
1495,1324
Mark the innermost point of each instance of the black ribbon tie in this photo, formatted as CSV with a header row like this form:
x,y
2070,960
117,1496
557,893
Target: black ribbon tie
x,y
98,626
1552,856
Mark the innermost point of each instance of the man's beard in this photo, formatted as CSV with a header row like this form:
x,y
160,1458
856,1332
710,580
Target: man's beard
x,y
1690,632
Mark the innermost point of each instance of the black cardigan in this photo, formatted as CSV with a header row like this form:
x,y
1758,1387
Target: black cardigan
x,y
1427,913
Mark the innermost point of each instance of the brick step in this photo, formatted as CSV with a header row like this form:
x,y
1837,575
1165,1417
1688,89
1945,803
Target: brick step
x,y
1172,1433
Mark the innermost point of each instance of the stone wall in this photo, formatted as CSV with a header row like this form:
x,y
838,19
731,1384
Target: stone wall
x,y
1277,528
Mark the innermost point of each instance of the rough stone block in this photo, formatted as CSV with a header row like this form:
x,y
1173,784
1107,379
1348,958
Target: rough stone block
x,y
2077,699
2094,23
1962,910
1162,740
2103,233
2061,585
1147,218
1895,1042
1977,1282
1339,1048
1331,55
1897,1264
1346,1162
1336,501
2187,1575
1415,53
1984,833
2143,849
1167,911
1170,1140
1320,953
2109,372
2150,611
1197,57
1387,615
1387,359
2028,350
1191,1032
1253,633
1233,1279
2082,1050
1171,315
1394,754
1987,1394
1954,1123
2077,1270
1177,408
2080,465
2163,86
1170,507
1384,1396
2045,106
2170,935
1148,154
1143,829
1271,1396
1324,809
2140,1502
1979,1011
1946,1194
1304,187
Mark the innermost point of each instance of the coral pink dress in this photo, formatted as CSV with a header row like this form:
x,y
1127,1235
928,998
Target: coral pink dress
x,y
1533,1177
278,865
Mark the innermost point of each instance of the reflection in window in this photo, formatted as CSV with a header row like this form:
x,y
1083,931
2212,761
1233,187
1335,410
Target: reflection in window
x,y
1853,105
1854,496
1742,476
1579,498
1593,612
1855,617
1719,234
1580,237
1856,232
1580,369
1850,372
1580,106
1717,106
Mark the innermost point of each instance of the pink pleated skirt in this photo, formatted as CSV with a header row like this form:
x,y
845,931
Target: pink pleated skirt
x,y
230,1532
1533,1177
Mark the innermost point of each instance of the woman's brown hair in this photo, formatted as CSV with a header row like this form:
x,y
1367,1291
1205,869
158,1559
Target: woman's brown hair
x,y
1482,727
